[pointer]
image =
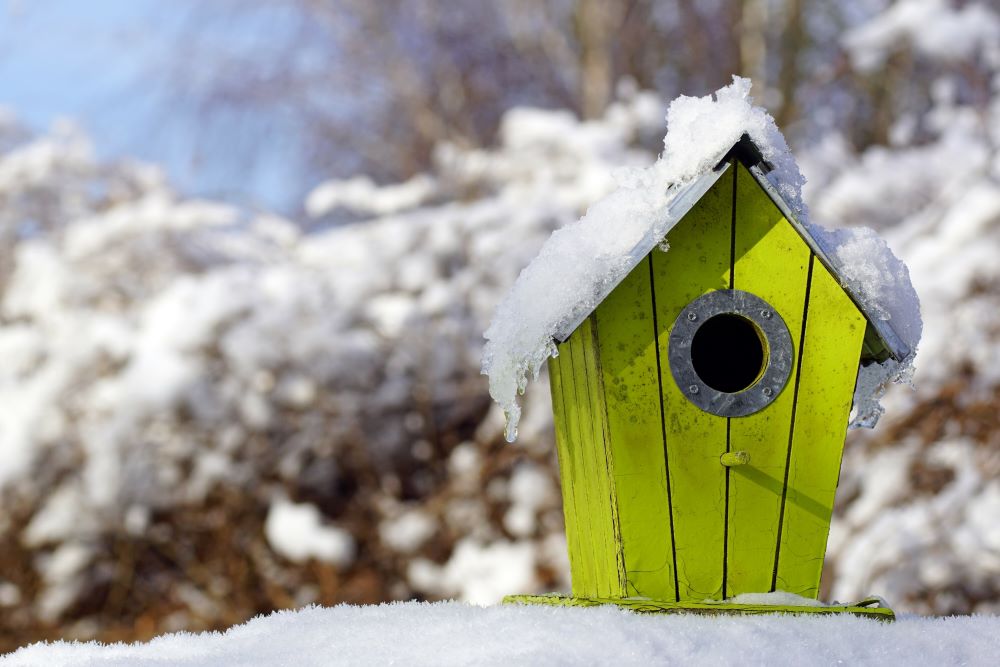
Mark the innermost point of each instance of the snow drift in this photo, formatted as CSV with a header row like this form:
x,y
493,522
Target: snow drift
x,y
455,634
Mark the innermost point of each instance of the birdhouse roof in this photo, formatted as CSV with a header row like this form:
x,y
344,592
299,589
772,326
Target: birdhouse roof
x,y
883,340
581,263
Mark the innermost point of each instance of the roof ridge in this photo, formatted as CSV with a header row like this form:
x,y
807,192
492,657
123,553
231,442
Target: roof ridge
x,y
881,339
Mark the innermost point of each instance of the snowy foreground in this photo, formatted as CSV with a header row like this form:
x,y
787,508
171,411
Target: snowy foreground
x,y
454,633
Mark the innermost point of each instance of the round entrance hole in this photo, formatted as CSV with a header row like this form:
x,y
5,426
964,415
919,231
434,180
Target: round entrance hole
x,y
727,353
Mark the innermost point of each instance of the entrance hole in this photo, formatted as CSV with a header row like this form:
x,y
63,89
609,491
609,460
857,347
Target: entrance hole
x,y
728,353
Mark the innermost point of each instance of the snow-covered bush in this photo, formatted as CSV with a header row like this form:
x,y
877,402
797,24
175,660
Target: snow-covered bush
x,y
209,412
173,363
915,494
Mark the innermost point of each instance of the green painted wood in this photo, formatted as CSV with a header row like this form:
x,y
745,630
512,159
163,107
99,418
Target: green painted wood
x,y
581,440
682,505
563,393
627,352
611,567
834,334
589,501
731,459
771,261
588,505
868,608
695,440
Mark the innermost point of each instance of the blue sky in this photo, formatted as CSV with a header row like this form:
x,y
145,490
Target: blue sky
x,y
97,62
77,59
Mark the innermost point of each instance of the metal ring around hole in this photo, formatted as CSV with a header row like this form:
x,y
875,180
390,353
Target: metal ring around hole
x,y
779,353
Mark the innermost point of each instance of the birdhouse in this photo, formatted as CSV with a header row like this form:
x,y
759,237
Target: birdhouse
x,y
701,407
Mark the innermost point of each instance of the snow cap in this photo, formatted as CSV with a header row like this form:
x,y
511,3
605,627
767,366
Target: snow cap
x,y
581,263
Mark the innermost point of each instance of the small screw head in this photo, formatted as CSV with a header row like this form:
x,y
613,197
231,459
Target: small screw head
x,y
766,314
692,317
767,391
693,389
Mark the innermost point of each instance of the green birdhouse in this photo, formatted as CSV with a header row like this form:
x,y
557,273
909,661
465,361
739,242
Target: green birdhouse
x,y
701,407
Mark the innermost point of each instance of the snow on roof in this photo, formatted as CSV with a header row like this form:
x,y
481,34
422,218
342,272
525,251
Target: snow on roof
x,y
582,262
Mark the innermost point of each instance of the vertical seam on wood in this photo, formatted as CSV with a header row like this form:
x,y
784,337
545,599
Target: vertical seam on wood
x,y
616,532
663,425
732,285
725,523
791,428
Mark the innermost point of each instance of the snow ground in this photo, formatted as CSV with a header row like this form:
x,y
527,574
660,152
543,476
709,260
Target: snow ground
x,y
162,356
448,633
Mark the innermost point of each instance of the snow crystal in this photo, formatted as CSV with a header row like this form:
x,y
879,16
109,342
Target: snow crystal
x,y
449,633
581,261
298,532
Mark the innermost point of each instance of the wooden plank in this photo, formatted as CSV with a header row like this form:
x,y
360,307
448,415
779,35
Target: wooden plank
x,y
598,546
610,566
698,264
563,395
834,334
580,440
771,261
631,386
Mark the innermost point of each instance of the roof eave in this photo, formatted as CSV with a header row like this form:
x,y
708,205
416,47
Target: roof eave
x,y
888,336
687,196
748,153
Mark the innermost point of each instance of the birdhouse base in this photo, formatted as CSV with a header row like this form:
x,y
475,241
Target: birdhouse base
x,y
869,607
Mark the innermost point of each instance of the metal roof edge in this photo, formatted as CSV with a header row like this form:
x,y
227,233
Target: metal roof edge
x,y
749,154
682,202
892,341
